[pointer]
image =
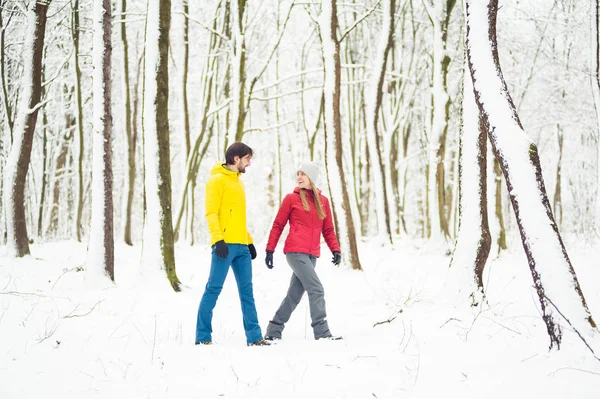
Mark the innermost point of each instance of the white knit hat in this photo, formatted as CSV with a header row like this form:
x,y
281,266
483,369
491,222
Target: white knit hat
x,y
311,170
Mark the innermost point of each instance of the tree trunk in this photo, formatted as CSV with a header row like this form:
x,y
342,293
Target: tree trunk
x,y
595,83
340,200
498,207
440,101
557,200
44,167
129,135
238,69
184,78
553,275
18,159
158,251
79,153
60,169
6,103
473,241
373,136
101,257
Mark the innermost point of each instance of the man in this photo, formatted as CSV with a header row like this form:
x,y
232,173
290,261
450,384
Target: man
x,y
231,244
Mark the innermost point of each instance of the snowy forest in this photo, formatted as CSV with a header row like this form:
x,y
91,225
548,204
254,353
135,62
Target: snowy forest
x,y
466,129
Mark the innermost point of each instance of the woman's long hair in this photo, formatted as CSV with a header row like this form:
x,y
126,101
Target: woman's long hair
x,y
317,201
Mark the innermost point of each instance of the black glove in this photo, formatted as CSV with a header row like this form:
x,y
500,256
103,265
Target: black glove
x,y
221,249
337,258
252,251
269,259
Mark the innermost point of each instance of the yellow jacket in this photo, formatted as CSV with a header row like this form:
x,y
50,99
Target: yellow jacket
x,y
226,207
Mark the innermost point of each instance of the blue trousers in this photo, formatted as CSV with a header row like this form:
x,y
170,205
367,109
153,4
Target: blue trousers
x,y
241,263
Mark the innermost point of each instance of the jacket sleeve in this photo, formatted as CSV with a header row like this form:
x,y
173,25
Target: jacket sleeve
x,y
281,220
214,194
328,230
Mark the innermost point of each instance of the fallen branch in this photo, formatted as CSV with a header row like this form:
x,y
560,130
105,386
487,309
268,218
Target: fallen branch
x,y
392,318
71,315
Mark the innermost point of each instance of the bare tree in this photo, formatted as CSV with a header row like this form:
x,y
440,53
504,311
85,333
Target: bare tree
x,y
595,83
439,13
79,150
25,121
158,251
372,115
342,214
553,275
129,131
101,245
473,241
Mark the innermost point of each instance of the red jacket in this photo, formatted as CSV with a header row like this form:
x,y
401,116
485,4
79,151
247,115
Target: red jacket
x,y
305,227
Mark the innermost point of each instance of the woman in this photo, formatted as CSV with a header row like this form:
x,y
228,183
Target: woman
x,y
309,215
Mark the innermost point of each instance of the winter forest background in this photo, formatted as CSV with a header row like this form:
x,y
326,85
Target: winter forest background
x,y
467,132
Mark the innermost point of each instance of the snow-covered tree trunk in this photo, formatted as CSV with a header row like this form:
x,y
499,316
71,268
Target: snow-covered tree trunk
x,y
158,248
19,157
473,241
79,149
101,252
238,72
439,14
375,95
184,78
130,139
340,200
595,83
553,275
5,100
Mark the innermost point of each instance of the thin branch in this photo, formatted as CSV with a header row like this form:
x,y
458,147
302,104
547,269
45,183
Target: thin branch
x,y
71,315
572,326
358,21
225,38
264,129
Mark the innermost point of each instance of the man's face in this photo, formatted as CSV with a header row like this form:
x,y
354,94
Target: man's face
x,y
242,163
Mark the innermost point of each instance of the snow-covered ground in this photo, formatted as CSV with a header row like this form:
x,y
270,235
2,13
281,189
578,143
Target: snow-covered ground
x,y
65,336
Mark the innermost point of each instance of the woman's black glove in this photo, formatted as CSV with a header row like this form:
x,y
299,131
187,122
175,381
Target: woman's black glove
x,y
269,259
252,251
337,258
221,249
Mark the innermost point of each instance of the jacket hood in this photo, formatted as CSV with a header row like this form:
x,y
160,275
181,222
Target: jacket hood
x,y
220,168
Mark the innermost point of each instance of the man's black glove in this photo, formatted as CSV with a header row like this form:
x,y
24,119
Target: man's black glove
x,y
269,259
337,258
252,251
221,249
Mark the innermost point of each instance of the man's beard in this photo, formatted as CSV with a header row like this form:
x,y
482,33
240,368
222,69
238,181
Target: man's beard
x,y
241,169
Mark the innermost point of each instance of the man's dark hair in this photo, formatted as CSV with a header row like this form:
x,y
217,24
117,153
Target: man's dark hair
x,y
237,149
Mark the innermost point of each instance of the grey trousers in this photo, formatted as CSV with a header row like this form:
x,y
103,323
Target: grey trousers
x,y
303,279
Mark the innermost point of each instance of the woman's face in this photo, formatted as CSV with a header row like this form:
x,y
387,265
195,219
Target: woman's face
x,y
303,180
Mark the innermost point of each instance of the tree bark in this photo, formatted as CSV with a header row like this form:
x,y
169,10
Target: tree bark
x,y
159,252
553,275
129,122
238,69
341,210
473,241
373,137
440,101
20,153
101,245
595,84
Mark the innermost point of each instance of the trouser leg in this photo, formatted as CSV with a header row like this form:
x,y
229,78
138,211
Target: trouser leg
x,y
303,266
242,269
289,303
218,272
